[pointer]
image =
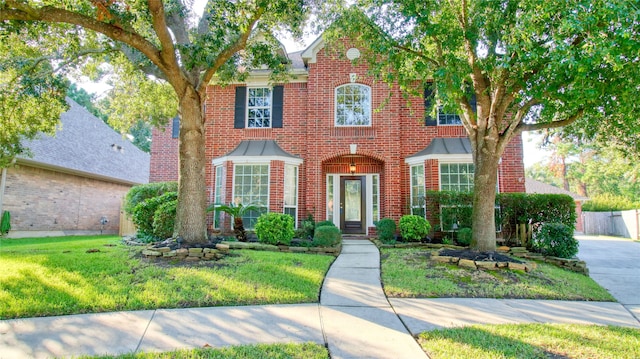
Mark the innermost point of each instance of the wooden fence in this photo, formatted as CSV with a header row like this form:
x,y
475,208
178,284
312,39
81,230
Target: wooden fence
x,y
617,223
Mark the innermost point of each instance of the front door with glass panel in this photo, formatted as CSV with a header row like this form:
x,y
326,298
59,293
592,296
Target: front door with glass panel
x,y
352,204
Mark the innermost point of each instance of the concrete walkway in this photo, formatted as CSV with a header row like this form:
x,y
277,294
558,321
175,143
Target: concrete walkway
x,y
354,319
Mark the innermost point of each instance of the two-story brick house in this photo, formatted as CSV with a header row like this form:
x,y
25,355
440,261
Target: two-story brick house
x,y
331,142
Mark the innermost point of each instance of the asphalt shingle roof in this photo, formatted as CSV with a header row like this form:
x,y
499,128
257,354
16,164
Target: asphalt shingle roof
x,y
534,186
84,144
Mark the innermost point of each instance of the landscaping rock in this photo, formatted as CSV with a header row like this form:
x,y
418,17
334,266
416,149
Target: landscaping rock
x,y
486,265
517,266
150,253
222,246
467,263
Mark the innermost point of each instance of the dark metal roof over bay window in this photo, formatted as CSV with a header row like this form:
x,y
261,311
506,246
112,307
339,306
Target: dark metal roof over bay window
x,y
258,151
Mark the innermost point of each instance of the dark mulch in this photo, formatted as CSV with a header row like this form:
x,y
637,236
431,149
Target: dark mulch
x,y
478,256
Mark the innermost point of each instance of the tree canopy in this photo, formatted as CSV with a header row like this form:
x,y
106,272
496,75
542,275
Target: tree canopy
x,y
529,64
161,42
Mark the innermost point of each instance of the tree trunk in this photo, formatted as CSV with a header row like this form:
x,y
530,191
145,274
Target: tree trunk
x,y
192,195
484,199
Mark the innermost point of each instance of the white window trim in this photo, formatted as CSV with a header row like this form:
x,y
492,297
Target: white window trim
x,y
246,114
284,206
335,102
424,186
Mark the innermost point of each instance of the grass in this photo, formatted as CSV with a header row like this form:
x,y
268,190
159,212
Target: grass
x,y
532,341
408,272
275,351
70,275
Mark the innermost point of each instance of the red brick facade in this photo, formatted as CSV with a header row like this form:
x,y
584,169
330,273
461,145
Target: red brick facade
x,y
309,132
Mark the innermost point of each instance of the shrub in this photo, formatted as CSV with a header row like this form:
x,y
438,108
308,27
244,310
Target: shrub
x,y
386,229
414,228
5,223
325,223
306,228
140,193
164,219
274,228
326,236
464,236
555,239
143,212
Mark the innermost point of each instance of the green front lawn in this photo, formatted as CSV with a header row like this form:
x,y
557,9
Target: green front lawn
x,y
409,273
271,351
532,341
68,275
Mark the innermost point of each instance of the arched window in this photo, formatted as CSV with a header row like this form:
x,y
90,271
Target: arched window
x,y
353,105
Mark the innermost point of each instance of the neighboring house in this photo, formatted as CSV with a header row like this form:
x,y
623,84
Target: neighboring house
x,y
75,181
331,142
534,186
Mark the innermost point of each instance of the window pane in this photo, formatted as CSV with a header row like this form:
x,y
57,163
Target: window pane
x,y
353,105
251,186
259,108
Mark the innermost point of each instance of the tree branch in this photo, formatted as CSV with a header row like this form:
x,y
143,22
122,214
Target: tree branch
x,y
168,51
226,54
553,124
15,10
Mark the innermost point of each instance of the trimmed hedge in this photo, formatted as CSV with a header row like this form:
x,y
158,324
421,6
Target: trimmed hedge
x,y
138,194
386,230
275,228
164,219
144,212
511,209
326,236
414,228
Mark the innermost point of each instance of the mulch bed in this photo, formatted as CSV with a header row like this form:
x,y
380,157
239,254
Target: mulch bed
x,y
478,256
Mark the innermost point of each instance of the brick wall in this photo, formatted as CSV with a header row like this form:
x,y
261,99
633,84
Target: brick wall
x,y
48,201
164,155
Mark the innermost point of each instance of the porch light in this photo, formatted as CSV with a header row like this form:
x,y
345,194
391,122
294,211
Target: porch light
x,y
352,167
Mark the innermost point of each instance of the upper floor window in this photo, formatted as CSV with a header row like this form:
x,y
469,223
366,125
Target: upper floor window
x,y
259,107
353,105
445,119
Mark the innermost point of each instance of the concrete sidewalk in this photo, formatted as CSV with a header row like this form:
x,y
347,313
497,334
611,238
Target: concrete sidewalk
x,y
354,319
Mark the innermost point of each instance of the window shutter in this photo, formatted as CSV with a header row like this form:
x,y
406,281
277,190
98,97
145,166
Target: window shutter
x,y
175,127
428,99
276,106
241,103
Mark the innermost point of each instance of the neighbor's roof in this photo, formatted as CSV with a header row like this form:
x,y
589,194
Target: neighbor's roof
x,y
84,145
258,151
443,148
534,186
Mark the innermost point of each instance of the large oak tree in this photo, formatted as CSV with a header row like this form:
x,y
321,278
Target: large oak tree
x,y
531,65
167,42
